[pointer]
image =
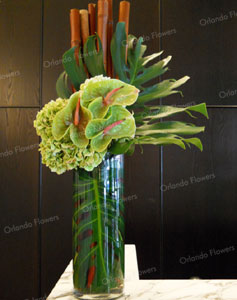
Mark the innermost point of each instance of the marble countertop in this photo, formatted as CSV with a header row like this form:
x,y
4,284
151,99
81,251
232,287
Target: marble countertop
x,y
136,289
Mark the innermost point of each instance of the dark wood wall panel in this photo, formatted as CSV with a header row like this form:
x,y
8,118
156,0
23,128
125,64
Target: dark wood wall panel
x,y
19,173
142,203
200,202
20,32
202,45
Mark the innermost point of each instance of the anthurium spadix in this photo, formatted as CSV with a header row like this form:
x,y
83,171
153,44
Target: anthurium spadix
x,y
64,122
119,124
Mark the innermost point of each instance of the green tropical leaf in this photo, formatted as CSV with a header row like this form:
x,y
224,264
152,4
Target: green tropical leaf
x,y
161,140
169,127
161,90
157,112
75,72
147,59
169,139
138,73
118,51
152,72
94,59
196,142
135,56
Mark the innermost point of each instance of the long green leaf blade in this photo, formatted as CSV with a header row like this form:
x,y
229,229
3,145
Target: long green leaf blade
x,y
134,56
154,71
161,90
76,73
169,127
157,112
94,59
118,51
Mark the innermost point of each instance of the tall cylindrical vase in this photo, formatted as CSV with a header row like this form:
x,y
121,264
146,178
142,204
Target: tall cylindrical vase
x,y
98,230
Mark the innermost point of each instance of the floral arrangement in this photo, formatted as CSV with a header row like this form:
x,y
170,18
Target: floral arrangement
x,y
107,105
103,114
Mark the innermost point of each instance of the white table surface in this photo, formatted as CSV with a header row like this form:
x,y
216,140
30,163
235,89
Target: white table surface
x,y
136,289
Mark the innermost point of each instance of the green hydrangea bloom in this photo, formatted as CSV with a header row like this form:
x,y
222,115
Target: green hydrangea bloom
x,y
61,156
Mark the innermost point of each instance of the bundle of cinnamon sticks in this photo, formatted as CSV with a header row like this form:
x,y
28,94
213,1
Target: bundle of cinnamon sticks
x,y
98,18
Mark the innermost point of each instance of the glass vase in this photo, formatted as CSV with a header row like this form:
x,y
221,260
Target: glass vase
x,y
98,231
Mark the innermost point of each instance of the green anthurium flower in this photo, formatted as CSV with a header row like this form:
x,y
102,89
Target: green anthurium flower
x,y
73,119
99,93
120,123
98,109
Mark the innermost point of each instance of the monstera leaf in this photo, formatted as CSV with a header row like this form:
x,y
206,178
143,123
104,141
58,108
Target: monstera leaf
x,y
139,70
120,123
64,122
139,73
161,90
154,113
163,133
168,139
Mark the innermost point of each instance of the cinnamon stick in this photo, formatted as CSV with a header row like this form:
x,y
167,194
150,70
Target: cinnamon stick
x,y
110,35
75,27
84,16
102,26
92,17
124,12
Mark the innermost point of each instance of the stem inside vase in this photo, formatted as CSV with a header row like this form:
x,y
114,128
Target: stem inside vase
x,y
98,230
